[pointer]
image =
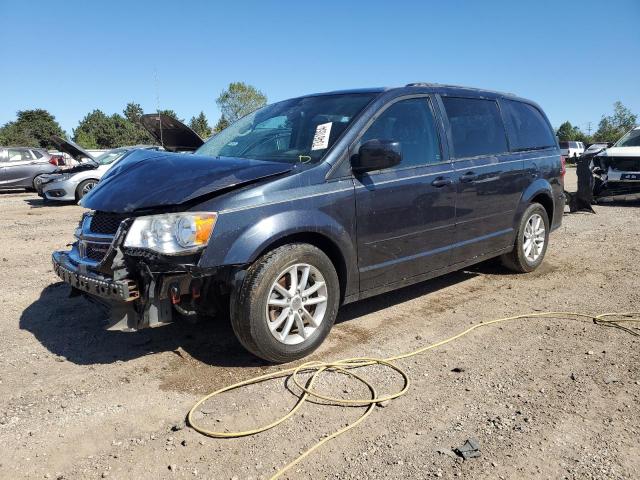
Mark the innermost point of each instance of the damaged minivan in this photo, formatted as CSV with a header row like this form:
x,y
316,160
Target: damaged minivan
x,y
314,202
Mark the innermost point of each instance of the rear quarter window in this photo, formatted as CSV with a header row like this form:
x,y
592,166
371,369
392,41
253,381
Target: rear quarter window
x,y
476,126
527,127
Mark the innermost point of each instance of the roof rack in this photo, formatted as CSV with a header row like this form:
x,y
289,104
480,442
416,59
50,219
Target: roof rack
x,y
435,85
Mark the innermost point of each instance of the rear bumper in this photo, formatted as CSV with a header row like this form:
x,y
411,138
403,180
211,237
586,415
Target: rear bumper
x,y
93,283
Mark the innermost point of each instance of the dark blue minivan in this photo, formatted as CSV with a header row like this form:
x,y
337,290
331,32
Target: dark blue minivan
x,y
317,201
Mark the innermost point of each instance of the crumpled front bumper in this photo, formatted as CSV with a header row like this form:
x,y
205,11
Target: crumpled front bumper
x,y
91,282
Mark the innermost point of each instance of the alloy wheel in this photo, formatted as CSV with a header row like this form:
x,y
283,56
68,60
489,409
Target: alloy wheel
x,y
296,304
534,237
87,188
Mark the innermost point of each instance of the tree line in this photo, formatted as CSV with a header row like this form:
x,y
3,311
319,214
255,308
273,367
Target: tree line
x,y
33,128
610,127
97,130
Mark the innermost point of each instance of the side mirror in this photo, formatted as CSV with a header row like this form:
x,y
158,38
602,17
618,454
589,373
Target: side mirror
x,y
376,155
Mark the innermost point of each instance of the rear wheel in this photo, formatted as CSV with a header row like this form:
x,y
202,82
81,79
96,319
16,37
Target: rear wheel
x,y
37,180
85,187
287,303
531,241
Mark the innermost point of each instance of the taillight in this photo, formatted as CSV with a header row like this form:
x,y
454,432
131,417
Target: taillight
x,y
53,161
563,166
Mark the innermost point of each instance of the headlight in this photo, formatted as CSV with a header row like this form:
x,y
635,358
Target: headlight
x,y
172,233
61,178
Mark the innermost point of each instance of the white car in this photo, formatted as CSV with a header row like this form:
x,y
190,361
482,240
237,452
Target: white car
x,y
571,149
621,163
72,184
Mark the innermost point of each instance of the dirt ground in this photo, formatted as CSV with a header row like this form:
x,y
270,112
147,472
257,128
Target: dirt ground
x,y
544,398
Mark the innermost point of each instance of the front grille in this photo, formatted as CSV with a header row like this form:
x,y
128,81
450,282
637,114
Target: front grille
x,y
106,223
96,251
625,164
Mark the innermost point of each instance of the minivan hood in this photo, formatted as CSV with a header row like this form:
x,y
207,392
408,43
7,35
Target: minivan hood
x,y
147,180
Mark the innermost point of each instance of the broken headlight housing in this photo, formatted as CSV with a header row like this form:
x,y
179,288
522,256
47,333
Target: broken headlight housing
x,y
172,233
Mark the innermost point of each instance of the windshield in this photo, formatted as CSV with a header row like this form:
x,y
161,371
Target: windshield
x,y
299,130
109,157
630,139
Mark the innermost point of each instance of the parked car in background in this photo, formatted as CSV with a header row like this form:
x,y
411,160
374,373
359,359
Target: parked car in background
x,y
314,202
618,168
74,183
571,150
21,167
595,147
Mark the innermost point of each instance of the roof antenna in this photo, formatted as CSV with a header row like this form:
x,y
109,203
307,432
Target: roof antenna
x,y
155,72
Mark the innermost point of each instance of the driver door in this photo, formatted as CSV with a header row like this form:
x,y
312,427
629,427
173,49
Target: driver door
x,y
406,213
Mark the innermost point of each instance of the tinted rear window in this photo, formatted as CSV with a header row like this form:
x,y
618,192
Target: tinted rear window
x,y
528,130
476,126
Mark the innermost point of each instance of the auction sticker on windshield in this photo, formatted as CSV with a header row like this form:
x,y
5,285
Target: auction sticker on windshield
x,y
321,137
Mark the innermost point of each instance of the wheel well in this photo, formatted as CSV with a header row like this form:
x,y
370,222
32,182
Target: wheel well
x,y
328,247
544,200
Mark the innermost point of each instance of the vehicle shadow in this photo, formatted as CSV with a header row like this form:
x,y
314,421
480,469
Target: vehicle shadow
x,y
628,200
74,328
41,202
354,310
15,191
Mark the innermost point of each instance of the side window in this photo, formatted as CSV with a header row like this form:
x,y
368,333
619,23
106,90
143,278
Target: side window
x,y
476,127
37,153
17,155
411,123
528,130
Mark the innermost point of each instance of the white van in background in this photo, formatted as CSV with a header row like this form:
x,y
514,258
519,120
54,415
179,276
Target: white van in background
x,y
571,149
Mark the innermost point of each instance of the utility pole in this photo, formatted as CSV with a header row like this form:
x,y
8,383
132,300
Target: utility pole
x,y
589,128
155,74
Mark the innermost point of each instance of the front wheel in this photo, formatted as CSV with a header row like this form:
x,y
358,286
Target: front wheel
x,y
287,303
85,187
531,241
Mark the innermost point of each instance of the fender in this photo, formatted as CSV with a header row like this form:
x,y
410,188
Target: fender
x,y
535,188
247,244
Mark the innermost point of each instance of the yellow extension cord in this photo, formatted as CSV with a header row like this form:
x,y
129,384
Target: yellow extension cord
x,y
346,365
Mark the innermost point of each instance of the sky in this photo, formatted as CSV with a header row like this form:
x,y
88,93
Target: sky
x,y
575,58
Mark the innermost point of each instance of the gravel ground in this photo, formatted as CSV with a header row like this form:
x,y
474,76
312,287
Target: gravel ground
x,y
544,398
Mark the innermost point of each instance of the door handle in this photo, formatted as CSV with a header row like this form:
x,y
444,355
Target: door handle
x,y
468,177
441,182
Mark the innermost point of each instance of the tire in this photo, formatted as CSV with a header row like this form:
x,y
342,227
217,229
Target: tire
x,y
34,183
518,260
253,318
84,187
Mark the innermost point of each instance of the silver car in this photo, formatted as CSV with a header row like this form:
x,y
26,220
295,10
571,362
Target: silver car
x,y
22,167
73,184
